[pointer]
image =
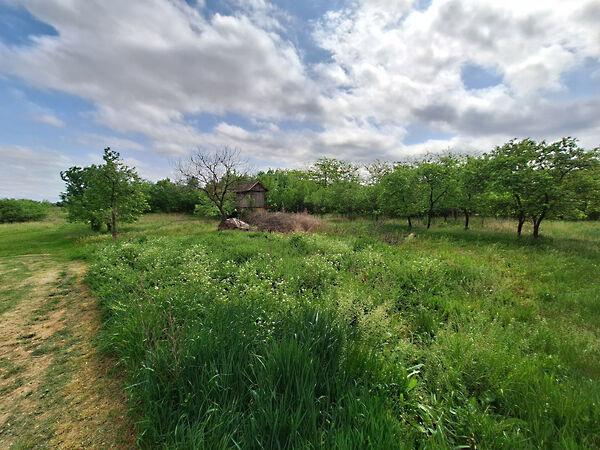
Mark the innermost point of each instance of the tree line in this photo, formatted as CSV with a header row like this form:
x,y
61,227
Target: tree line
x,y
523,179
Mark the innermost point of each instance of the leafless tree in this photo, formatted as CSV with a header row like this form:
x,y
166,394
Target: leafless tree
x,y
216,172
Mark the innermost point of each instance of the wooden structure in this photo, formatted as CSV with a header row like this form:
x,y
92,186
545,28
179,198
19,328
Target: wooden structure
x,y
250,196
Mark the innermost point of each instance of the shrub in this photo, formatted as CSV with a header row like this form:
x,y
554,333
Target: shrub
x,y
13,210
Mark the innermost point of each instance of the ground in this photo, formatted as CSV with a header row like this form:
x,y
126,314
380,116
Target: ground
x,y
56,391
499,336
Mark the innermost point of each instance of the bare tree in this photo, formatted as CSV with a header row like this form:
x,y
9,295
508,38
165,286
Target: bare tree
x,y
215,172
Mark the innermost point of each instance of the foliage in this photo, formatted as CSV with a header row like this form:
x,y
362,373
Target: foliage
x,y
110,193
401,195
168,196
438,179
535,175
21,210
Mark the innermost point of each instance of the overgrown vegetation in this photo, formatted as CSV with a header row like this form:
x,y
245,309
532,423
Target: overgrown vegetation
x,y
364,337
14,210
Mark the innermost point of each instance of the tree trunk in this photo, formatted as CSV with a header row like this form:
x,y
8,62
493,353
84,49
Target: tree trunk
x,y
113,224
428,219
536,227
467,215
520,226
409,223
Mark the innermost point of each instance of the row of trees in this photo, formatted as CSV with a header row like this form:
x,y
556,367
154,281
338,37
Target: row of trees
x,y
527,180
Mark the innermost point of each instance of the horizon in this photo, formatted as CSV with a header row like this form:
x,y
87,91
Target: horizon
x,y
286,82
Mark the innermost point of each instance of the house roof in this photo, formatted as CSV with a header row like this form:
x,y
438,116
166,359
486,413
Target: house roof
x,y
246,187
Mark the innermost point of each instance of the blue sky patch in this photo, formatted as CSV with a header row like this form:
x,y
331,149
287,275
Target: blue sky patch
x,y
17,25
479,77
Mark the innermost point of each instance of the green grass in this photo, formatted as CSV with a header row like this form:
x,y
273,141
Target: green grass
x,y
358,337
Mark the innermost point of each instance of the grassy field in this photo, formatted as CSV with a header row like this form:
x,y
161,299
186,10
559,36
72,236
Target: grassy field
x,y
361,336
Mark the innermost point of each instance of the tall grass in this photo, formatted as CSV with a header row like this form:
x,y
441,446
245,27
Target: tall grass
x,y
359,338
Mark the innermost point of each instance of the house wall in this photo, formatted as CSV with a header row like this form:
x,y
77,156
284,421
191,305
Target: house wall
x,y
251,199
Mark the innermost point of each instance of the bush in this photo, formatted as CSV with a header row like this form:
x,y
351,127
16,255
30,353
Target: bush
x,y
13,210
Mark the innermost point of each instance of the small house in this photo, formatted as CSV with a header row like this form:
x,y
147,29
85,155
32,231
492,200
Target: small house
x,y
250,196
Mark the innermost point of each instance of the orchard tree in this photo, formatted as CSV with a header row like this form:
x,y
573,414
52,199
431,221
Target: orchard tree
x,y
537,177
108,193
288,189
327,171
401,195
437,177
217,173
584,186
471,180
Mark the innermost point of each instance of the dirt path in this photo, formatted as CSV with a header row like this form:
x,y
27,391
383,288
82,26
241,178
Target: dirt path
x,y
56,391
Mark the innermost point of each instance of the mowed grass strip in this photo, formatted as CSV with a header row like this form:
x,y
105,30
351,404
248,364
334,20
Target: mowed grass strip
x,y
363,336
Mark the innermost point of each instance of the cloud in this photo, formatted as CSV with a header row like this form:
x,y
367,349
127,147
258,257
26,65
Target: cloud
x,y
49,119
394,65
387,66
29,173
147,64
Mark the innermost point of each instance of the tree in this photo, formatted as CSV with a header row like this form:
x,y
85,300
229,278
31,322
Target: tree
x,y
327,171
584,186
537,175
471,185
288,189
400,193
109,193
438,179
167,196
217,174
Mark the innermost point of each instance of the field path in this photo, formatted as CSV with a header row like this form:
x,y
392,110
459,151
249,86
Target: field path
x,y
56,391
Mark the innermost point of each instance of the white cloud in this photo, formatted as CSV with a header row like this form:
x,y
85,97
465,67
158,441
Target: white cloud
x,y
151,66
29,173
403,66
49,119
148,63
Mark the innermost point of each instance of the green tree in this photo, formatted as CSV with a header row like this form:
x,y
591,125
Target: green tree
x,y
327,171
22,210
584,185
109,193
288,189
401,194
471,178
537,176
167,196
437,177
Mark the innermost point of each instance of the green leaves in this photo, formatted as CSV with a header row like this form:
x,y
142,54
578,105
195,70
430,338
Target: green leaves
x,y
110,193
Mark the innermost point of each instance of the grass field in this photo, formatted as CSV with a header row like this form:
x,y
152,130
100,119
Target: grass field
x,y
360,336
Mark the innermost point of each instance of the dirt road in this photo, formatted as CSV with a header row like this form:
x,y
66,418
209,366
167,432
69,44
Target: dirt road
x,y
56,390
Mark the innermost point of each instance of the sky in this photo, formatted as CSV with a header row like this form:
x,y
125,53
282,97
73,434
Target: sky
x,y
286,81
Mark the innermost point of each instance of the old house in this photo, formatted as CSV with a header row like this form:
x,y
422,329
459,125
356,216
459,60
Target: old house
x,y
250,196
